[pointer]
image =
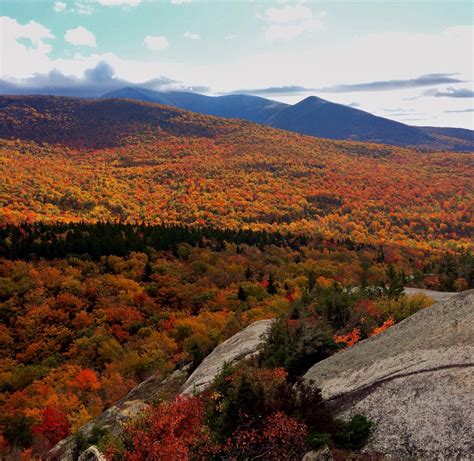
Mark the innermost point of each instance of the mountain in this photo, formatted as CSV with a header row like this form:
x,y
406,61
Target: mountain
x,y
72,159
252,108
460,133
317,117
312,116
94,123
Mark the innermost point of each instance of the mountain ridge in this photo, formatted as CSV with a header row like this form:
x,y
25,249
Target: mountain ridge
x,y
313,116
247,107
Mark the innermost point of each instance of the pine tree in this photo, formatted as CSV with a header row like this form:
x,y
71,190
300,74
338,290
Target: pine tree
x,y
272,289
248,274
241,295
395,282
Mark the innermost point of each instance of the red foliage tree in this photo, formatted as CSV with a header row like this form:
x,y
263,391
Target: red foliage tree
x,y
53,427
86,380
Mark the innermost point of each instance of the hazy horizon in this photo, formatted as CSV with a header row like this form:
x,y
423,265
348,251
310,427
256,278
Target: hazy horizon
x,y
407,61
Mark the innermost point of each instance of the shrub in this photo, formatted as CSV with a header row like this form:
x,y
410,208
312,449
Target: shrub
x,y
404,306
279,437
253,399
317,440
53,427
171,430
353,434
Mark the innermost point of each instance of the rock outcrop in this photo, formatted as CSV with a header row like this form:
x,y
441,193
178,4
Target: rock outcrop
x,y
242,345
112,419
239,347
434,295
415,381
324,454
91,454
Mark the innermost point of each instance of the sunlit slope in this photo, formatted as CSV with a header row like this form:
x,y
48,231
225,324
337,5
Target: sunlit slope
x,y
69,159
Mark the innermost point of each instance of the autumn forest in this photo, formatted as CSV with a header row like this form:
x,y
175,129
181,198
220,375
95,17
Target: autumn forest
x,y
134,238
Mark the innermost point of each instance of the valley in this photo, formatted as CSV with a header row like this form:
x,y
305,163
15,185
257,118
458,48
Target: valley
x,y
136,237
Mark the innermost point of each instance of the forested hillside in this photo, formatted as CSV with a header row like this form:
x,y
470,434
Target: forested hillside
x,y
68,159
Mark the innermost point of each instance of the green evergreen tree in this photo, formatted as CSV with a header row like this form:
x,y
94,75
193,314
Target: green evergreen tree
x,y
241,295
272,289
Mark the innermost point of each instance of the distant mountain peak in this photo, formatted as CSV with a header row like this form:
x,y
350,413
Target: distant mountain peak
x,y
312,99
312,116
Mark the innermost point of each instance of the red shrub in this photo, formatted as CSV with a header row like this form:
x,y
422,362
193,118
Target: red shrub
x,y
169,431
280,437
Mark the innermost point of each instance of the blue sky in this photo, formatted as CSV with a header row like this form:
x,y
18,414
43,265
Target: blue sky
x,y
374,55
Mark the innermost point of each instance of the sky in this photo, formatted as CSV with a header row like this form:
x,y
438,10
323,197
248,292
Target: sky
x,y
408,60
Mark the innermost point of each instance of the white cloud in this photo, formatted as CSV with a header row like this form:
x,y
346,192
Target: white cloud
x,y
119,2
312,64
80,36
192,36
180,2
156,42
230,37
290,21
84,9
20,58
288,14
94,82
59,6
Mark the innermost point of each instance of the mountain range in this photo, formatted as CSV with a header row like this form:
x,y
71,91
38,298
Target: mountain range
x,y
312,116
119,159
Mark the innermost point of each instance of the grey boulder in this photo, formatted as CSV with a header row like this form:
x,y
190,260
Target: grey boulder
x,y
415,381
242,345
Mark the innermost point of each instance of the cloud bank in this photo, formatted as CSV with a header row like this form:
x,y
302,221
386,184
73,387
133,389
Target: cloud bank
x,y
93,83
274,90
80,36
460,111
384,85
451,93
390,85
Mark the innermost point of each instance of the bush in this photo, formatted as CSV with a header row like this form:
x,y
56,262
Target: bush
x,y
317,440
167,431
280,437
245,403
354,433
248,413
405,306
